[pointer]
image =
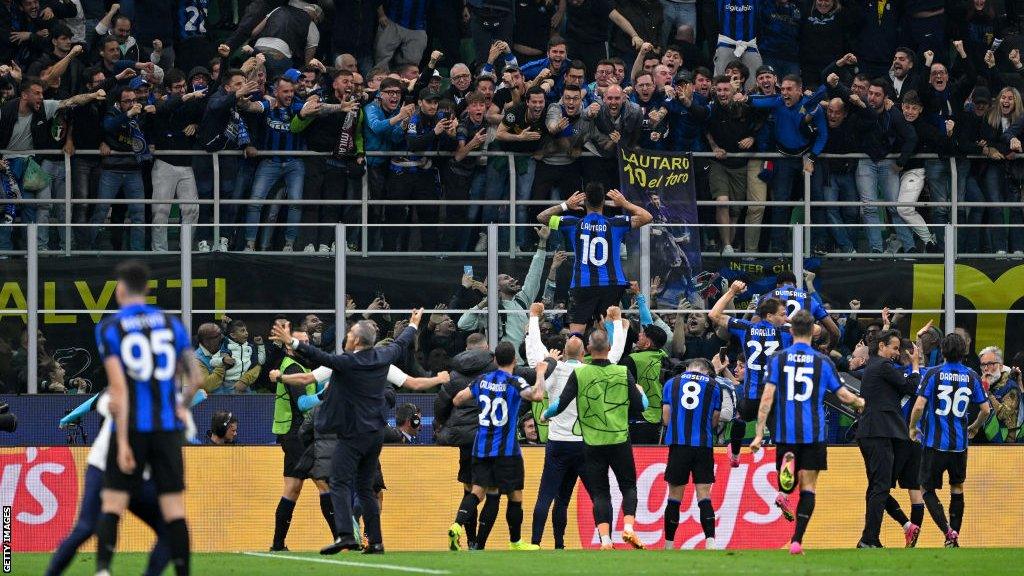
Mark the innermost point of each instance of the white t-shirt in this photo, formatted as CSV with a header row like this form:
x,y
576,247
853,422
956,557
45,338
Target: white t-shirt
x,y
396,377
21,137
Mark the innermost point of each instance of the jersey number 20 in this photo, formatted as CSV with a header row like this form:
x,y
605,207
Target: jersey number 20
x,y
142,355
493,411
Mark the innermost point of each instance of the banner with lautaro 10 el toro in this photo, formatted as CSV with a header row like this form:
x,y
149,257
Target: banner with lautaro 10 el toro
x,y
663,183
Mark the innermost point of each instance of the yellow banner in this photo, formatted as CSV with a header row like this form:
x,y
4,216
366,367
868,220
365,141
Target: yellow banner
x,y
233,492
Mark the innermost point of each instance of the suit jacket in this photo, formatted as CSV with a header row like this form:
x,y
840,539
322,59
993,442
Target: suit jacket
x,y
354,403
883,386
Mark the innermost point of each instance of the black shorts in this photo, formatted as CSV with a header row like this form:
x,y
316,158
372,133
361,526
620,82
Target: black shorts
x,y
591,302
161,451
906,464
505,473
466,464
684,461
935,462
808,456
293,449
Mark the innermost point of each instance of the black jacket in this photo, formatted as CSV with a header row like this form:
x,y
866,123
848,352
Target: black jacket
x,y
459,423
354,403
882,386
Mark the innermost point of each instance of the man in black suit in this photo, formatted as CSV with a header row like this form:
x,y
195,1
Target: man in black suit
x,y
353,408
882,424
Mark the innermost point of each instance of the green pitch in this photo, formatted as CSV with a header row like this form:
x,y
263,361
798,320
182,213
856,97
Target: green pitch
x,y
933,562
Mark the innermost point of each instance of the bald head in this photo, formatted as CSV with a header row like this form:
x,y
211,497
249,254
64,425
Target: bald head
x,y
574,348
208,330
598,345
836,112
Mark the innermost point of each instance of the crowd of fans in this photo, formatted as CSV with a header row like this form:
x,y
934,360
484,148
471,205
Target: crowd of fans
x,y
561,83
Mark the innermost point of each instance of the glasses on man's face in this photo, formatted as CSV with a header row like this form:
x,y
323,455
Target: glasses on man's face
x,y
986,364
572,98
460,76
392,92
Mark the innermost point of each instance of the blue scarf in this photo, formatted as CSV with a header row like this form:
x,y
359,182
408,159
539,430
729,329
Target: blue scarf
x,y
237,131
11,191
138,140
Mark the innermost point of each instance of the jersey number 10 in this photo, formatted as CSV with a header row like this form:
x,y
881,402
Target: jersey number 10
x,y
141,355
589,251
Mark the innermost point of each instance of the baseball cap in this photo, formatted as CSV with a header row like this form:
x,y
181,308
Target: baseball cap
x,y
683,77
428,94
766,69
292,75
981,94
137,82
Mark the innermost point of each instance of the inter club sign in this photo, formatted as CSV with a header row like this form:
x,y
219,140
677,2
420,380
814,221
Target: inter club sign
x,y
743,498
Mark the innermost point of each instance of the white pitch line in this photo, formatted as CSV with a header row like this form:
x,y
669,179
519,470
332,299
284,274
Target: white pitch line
x,y
350,563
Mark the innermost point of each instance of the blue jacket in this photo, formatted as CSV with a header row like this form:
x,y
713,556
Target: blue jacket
x,y
789,131
779,30
531,69
685,126
380,135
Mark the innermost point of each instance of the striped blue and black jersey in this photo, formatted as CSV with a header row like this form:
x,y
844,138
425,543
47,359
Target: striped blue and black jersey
x,y
760,340
148,342
949,388
409,14
497,395
737,19
801,376
597,244
192,18
278,133
693,399
797,299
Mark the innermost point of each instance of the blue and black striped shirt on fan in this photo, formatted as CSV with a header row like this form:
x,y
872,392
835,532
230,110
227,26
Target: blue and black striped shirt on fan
x,y
148,342
797,299
409,14
760,340
278,133
497,394
693,399
802,376
949,388
597,244
737,19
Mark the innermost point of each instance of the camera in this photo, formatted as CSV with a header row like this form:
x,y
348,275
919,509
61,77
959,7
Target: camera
x,y
8,421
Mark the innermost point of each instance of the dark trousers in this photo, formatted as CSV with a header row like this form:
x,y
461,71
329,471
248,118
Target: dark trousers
x,y
326,180
143,505
354,465
644,432
563,464
202,167
878,460
420,185
456,187
618,457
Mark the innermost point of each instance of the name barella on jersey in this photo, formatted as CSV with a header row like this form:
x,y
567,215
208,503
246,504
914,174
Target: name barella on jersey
x,y
148,342
949,389
802,376
497,394
760,340
693,399
796,299
597,244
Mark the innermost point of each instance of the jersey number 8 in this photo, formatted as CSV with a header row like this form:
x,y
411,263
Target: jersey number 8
x,y
148,358
690,398
493,411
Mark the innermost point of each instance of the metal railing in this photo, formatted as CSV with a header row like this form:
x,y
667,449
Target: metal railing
x,y
341,255
365,202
